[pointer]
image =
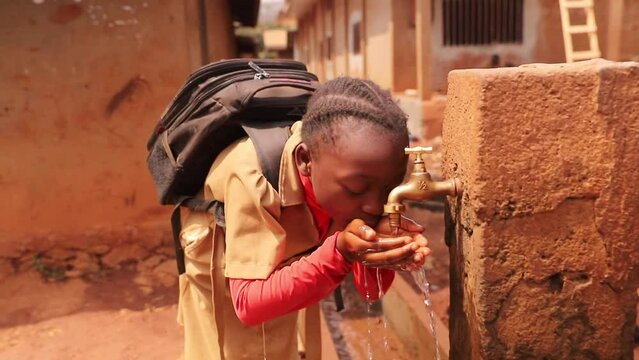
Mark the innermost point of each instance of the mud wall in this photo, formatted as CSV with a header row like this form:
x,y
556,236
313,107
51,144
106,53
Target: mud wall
x,y
83,84
543,242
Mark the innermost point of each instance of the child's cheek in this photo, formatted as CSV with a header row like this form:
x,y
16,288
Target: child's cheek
x,y
339,206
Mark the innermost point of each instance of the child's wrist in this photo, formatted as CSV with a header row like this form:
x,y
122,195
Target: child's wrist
x,y
339,247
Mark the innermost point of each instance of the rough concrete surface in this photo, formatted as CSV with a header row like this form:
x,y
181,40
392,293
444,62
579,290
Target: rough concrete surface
x,y
544,246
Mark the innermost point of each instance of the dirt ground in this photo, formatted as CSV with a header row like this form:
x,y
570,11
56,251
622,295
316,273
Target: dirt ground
x,y
109,316
94,318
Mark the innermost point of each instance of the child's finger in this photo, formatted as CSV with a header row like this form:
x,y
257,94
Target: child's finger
x,y
386,244
390,257
360,229
356,246
421,240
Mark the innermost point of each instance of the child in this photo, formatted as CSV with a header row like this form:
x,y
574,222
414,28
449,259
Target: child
x,y
283,251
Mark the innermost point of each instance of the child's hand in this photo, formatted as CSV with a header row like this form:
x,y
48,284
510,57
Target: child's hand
x,y
359,242
410,228
419,259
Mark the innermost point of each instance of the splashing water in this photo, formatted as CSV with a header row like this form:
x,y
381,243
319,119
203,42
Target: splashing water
x,y
369,312
422,282
380,294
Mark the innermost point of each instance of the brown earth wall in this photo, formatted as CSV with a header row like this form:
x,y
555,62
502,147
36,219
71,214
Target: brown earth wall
x,y
544,250
83,84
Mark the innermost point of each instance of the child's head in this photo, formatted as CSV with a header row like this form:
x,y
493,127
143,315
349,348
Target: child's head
x,y
353,139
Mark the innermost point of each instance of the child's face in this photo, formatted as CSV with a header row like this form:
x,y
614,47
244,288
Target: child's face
x,y
353,178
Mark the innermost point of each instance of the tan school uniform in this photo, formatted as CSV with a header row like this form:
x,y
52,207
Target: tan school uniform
x,y
264,230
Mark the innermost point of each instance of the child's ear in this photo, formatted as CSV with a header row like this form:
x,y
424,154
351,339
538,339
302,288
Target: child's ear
x,y
303,159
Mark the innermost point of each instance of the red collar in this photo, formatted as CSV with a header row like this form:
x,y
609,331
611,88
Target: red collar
x,y
320,216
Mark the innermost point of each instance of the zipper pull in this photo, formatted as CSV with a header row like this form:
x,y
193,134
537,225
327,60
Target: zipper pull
x,y
261,73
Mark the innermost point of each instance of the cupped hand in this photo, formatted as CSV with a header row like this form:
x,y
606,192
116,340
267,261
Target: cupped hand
x,y
359,242
408,227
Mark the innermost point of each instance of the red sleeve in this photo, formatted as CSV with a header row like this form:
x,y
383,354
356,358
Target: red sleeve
x,y
292,287
367,281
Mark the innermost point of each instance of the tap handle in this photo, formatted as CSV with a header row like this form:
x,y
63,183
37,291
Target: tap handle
x,y
418,151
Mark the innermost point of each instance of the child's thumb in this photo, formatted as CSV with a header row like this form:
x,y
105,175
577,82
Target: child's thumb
x,y
361,230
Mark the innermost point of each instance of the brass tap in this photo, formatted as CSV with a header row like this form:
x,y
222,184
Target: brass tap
x,y
419,187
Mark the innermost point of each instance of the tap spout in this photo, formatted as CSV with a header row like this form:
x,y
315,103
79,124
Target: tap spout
x,y
418,187
421,187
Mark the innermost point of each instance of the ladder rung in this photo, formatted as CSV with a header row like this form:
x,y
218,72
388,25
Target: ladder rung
x,y
584,55
575,4
580,29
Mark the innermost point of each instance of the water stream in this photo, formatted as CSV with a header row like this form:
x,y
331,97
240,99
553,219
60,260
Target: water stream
x,y
419,276
380,295
369,314
422,282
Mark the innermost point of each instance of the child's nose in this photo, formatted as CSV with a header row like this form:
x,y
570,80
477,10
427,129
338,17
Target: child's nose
x,y
374,205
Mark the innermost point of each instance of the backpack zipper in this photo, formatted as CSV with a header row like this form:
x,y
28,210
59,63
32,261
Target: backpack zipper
x,y
239,66
261,74
235,65
241,76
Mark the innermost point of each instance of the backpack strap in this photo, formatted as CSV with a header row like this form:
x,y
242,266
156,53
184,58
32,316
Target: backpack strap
x,y
269,141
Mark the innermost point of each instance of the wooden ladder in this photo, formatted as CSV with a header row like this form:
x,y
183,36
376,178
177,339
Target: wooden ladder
x,y
589,28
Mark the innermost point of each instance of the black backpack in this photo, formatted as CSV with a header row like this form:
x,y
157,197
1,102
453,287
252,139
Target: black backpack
x,y
219,104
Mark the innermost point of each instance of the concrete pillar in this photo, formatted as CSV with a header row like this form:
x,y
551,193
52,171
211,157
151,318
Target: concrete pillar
x,y
543,242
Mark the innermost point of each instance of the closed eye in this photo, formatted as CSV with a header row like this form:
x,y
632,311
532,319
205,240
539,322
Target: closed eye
x,y
354,192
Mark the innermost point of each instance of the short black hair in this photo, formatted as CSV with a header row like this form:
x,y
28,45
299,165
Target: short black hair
x,y
346,99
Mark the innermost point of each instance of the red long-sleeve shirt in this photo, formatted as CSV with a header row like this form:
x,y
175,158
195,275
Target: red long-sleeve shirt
x,y
307,280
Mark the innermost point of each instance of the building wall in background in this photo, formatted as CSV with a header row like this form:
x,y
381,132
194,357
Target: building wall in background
x,y
389,40
355,37
542,39
81,91
219,30
378,42
340,38
404,37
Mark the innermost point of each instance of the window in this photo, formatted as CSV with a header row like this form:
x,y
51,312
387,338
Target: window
x,y
482,22
356,38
